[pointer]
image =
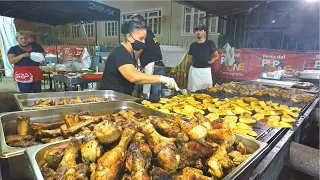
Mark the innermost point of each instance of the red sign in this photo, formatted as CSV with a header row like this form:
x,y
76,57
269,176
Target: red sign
x,y
66,52
249,64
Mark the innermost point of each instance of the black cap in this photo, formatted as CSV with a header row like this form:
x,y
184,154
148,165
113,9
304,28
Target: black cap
x,y
201,27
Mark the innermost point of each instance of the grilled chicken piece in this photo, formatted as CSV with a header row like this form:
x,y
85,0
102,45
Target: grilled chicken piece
x,y
168,128
139,158
237,157
35,126
23,124
63,101
164,148
241,148
220,124
17,138
48,133
47,173
76,100
91,150
69,131
70,120
50,140
83,170
53,156
193,129
68,163
192,152
24,144
189,173
158,173
44,102
126,177
218,161
109,165
107,132
224,137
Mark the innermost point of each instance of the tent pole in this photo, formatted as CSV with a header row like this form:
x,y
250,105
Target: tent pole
x,y
96,32
56,42
207,24
119,31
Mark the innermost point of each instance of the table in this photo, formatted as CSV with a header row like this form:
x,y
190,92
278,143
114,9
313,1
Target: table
x,y
71,81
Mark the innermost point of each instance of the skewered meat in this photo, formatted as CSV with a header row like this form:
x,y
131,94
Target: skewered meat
x,y
48,133
107,132
164,148
68,163
139,158
158,173
23,124
189,173
43,126
15,138
168,128
237,157
91,150
47,173
53,156
109,165
218,161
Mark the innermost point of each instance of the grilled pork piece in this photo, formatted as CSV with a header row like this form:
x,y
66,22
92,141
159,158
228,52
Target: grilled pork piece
x,y
50,140
14,138
72,130
48,133
23,124
43,126
24,144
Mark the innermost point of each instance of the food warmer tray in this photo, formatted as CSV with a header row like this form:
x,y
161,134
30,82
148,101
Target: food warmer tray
x,y
243,171
8,120
26,101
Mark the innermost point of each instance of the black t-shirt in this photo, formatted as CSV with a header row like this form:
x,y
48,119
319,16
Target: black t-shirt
x,y
112,78
152,51
201,53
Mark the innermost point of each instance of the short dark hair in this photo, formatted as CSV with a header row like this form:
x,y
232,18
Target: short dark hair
x,y
138,16
129,26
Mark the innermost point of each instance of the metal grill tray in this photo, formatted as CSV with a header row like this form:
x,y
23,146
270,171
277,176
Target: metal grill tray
x,y
26,101
243,171
8,120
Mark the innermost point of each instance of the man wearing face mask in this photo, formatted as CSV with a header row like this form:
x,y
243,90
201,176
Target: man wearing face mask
x,y
150,58
202,54
120,72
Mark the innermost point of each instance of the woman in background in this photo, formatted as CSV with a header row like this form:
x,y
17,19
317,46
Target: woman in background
x,y
27,73
120,72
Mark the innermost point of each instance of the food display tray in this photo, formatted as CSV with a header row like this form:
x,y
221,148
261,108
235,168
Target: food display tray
x,y
26,101
243,171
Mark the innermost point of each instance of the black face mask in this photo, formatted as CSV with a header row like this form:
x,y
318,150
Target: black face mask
x,y
25,45
137,45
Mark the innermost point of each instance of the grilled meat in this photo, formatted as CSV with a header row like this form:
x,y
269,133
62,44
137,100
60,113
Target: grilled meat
x,y
50,140
23,124
72,130
44,102
48,133
139,158
107,132
47,173
35,126
189,173
109,165
24,144
237,157
91,150
68,163
158,173
53,156
164,148
16,138
218,161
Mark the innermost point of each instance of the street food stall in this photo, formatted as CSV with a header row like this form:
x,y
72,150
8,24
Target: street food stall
x,y
235,130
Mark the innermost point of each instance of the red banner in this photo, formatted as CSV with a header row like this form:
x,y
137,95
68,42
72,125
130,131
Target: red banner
x,y
66,52
249,64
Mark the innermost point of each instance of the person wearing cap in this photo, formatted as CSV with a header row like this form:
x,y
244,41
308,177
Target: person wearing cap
x,y
120,72
202,54
150,57
27,73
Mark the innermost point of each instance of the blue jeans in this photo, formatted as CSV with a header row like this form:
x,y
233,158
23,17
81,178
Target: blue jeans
x,y
156,89
34,87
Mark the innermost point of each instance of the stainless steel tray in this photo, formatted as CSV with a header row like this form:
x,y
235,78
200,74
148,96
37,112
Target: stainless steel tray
x,y
26,101
35,156
8,120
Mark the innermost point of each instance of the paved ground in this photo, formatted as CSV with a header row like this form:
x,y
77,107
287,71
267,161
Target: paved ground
x,y
8,85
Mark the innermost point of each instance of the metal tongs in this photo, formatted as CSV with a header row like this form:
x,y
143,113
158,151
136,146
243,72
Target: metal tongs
x,y
183,92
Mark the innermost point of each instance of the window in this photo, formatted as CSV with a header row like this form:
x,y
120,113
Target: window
x,y
152,18
111,29
76,30
89,29
193,17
